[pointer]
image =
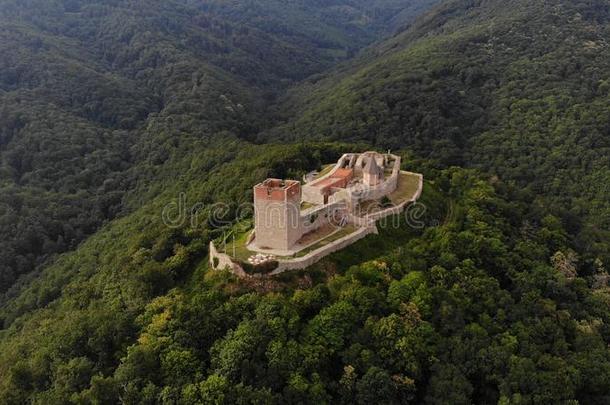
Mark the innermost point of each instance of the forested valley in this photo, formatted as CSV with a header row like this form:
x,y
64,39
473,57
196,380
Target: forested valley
x,y
95,95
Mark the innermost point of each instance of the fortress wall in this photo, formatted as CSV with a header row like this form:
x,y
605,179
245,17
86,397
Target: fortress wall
x,y
396,168
345,158
317,255
224,261
385,188
379,158
367,226
358,221
392,181
338,165
322,215
342,160
420,186
375,216
312,195
376,192
344,198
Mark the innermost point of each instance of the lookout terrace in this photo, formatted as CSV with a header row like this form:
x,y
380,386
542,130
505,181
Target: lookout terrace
x,y
297,224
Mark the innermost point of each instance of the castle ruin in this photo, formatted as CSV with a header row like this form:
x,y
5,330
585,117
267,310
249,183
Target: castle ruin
x,y
296,225
285,211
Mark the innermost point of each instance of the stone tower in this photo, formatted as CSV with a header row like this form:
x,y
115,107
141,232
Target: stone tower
x,y
277,214
372,174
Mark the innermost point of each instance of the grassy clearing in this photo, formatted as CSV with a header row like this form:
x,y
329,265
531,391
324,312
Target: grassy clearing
x,y
318,234
406,189
237,248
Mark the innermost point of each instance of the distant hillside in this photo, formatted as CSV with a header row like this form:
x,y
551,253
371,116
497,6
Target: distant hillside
x,y
333,25
94,95
518,88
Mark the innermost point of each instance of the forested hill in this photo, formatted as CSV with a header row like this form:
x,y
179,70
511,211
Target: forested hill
x,y
94,95
476,307
520,89
113,110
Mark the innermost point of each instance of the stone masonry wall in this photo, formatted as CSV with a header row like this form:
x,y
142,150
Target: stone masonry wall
x,y
313,194
322,214
378,191
319,254
375,216
224,261
276,216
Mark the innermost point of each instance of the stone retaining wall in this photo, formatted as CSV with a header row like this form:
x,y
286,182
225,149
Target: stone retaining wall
x,y
318,254
420,186
224,261
378,215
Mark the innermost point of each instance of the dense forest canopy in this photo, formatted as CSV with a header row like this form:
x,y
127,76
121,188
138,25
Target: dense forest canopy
x,y
519,89
109,110
469,307
93,93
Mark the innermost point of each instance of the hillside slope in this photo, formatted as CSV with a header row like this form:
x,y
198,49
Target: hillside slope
x,y
94,93
459,311
520,89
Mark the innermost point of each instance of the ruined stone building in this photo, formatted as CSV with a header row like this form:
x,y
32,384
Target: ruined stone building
x,y
280,221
